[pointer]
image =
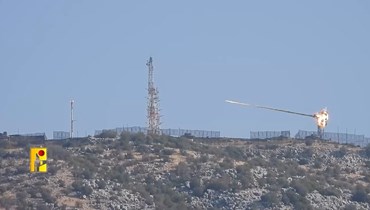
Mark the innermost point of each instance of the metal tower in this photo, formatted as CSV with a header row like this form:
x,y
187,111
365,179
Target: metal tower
x,y
153,103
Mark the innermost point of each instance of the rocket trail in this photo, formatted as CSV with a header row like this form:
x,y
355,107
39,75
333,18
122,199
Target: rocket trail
x,y
270,108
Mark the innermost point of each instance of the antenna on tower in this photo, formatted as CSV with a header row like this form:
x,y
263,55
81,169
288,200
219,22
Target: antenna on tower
x,y
72,120
153,102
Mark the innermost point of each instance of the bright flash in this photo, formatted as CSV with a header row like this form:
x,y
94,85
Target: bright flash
x,y
322,118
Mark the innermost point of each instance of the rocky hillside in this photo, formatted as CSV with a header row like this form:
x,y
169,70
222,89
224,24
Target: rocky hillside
x,y
141,172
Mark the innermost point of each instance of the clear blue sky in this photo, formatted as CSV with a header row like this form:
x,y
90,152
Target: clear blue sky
x,y
286,54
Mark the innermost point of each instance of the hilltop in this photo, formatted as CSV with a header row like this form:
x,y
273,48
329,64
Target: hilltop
x,y
134,171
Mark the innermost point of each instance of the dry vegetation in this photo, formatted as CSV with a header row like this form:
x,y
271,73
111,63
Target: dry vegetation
x,y
135,171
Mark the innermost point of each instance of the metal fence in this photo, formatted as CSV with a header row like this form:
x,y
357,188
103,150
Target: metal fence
x,y
61,135
269,134
169,132
343,138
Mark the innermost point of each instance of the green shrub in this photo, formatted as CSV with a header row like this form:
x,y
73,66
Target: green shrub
x,y
329,191
101,184
204,158
367,150
299,202
3,153
307,153
292,168
22,170
98,150
350,207
359,194
84,169
139,169
234,152
57,152
318,163
42,206
303,161
3,189
300,188
332,171
80,187
138,139
144,193
21,197
289,153
118,174
258,162
244,175
227,163
129,155
46,195
219,184
183,171
271,146
167,152
165,197
282,182
7,202
107,134
270,199
76,142
242,169
309,142
78,204
123,143
61,183
196,187
5,144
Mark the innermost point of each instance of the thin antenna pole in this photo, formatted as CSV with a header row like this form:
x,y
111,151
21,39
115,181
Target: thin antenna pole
x,y
72,120
338,134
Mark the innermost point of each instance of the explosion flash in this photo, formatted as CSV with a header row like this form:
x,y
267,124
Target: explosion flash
x,y
321,117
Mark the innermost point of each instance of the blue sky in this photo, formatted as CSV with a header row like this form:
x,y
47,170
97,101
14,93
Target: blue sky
x,y
294,55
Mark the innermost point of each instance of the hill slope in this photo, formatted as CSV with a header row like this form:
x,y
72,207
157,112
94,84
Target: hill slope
x,y
139,172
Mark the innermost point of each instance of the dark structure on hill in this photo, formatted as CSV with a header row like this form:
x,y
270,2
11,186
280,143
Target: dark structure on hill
x,y
169,132
35,138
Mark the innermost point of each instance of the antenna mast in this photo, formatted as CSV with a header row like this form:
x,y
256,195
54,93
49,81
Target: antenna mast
x,y
72,120
153,102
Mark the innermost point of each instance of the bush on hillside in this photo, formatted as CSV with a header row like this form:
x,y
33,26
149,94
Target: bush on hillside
x,y
234,152
183,171
367,150
219,184
107,134
196,187
298,201
82,188
57,152
270,199
359,194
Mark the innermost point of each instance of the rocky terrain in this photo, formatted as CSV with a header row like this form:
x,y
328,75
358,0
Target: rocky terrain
x,y
134,171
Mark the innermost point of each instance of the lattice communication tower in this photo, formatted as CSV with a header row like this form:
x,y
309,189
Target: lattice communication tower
x,y
153,103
